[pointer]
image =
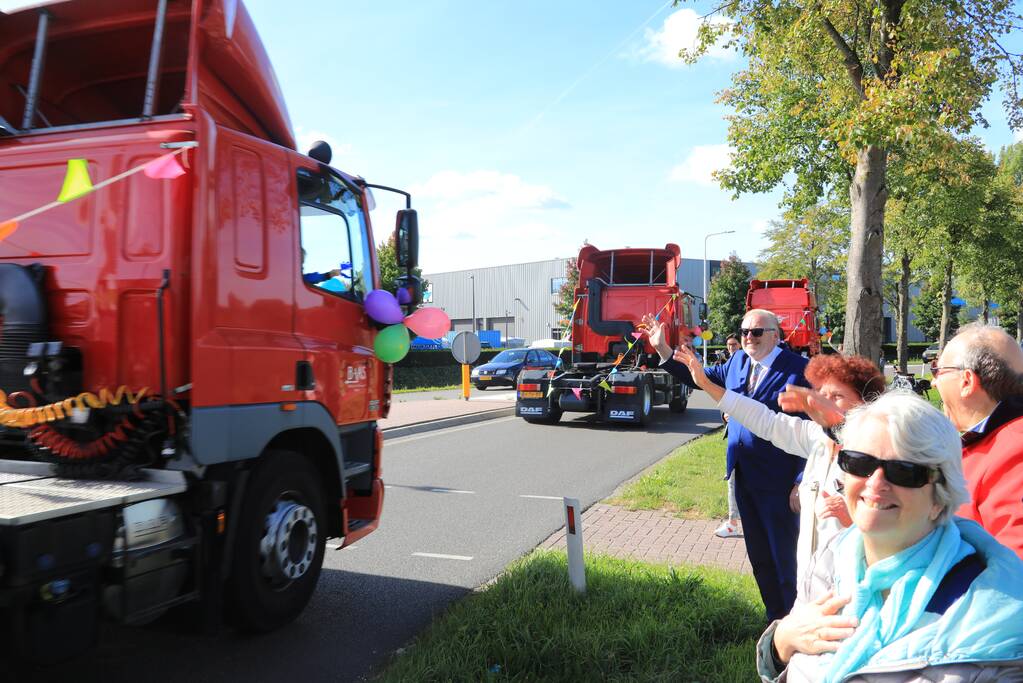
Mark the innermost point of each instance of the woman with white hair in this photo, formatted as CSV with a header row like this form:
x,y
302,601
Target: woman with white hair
x,y
908,593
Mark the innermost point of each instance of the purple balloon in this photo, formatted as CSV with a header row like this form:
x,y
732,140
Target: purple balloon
x,y
383,307
403,296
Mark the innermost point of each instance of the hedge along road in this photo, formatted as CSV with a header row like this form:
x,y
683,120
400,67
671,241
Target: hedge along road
x,y
461,504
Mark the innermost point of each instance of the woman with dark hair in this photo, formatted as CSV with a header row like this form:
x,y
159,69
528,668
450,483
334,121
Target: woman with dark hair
x,y
845,381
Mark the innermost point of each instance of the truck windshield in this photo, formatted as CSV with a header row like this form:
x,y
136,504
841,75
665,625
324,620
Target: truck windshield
x,y
335,247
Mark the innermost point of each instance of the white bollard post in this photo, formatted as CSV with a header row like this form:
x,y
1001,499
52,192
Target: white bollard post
x,y
574,541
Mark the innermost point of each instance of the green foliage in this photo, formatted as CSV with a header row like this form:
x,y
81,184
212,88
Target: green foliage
x,y
726,300
927,311
636,622
566,295
387,259
687,483
811,243
432,369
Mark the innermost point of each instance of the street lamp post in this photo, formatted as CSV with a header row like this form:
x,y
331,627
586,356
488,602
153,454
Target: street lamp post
x,y
506,327
473,278
706,276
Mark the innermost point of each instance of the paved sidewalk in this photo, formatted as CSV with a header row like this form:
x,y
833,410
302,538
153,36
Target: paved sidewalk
x,y
655,536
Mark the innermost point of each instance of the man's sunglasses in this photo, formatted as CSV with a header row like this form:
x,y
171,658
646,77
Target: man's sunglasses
x,y
755,331
909,475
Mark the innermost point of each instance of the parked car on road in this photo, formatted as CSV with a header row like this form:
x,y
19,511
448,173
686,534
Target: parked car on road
x,y
931,353
505,366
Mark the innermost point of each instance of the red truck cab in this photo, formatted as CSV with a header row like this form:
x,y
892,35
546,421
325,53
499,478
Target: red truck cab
x,y
210,289
796,307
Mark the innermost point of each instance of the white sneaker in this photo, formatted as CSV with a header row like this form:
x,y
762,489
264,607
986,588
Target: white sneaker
x,y
726,530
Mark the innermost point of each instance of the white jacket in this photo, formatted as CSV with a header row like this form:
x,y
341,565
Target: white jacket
x,y
806,439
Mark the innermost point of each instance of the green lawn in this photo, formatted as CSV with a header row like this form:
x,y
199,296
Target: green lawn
x,y
687,483
637,622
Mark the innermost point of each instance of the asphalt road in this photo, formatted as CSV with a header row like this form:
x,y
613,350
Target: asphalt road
x,y
460,505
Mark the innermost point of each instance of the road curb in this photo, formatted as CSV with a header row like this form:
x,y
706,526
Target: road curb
x,y
445,422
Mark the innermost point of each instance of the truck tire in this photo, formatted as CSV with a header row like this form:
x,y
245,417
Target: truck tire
x,y
646,399
279,545
680,402
553,416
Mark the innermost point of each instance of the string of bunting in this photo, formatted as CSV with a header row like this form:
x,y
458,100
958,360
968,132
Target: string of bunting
x,y
603,384
571,344
77,184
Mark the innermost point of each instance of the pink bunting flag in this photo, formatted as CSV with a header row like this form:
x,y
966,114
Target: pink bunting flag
x,y
637,335
164,168
577,392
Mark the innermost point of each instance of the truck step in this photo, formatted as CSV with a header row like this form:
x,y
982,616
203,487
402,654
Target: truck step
x,y
30,493
355,469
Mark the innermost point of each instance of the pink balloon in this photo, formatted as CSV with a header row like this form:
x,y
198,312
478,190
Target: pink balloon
x,y
429,323
697,331
383,307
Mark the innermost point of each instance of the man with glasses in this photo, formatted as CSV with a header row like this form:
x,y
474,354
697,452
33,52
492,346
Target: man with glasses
x,y
765,476
979,376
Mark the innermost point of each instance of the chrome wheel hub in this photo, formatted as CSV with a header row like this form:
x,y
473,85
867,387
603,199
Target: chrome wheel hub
x,y
288,546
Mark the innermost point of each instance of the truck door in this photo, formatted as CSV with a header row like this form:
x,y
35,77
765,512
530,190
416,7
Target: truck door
x,y
336,271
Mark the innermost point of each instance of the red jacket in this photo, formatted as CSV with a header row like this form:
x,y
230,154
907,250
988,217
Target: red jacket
x,y
993,465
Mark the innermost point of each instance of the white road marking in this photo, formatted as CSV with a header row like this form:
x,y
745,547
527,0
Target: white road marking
x,y
440,432
444,490
441,556
542,497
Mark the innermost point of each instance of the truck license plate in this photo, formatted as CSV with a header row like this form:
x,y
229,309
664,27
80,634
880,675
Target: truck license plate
x,y
483,377
530,394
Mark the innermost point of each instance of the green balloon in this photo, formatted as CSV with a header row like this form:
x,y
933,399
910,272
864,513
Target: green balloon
x,y
391,343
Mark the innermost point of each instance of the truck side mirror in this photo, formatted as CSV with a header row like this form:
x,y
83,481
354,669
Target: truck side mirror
x,y
414,286
406,235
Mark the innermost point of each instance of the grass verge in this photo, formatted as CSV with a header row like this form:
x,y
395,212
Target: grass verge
x,y
687,483
443,388
637,621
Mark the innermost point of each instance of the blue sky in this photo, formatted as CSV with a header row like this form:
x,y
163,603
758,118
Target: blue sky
x,y
523,129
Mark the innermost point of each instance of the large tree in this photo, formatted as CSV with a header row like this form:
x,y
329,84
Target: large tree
x,y
811,243
831,87
726,300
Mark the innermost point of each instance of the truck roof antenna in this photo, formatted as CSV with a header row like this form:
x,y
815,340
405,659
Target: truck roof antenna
x,y
153,77
36,74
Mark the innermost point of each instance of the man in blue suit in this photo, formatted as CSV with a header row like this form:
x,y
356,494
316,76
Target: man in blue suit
x,y
764,475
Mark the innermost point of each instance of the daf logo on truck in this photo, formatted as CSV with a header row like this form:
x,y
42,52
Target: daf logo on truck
x,y
528,410
178,365
622,414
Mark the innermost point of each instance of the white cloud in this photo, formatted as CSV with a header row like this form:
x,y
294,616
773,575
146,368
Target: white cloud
x,y
702,161
680,32
304,139
484,218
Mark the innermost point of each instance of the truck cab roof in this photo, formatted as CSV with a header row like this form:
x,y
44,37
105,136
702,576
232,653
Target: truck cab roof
x,y
96,58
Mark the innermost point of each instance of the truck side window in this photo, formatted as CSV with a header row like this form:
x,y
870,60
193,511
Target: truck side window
x,y
335,250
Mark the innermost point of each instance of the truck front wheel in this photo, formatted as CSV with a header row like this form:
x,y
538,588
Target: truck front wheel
x,y
646,400
279,544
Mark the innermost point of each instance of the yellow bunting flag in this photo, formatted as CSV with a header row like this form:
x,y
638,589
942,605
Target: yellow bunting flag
x,y
605,386
76,182
7,229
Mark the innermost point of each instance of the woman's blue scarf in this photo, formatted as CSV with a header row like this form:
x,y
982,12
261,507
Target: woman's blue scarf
x,y
911,577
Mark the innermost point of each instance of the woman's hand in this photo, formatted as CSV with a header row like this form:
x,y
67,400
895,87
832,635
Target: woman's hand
x,y
794,499
813,628
833,506
821,410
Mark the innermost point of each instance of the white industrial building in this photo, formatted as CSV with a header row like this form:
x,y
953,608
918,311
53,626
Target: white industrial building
x,y
518,299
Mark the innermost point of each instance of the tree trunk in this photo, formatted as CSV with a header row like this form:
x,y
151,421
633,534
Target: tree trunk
x,y
986,311
863,308
946,306
903,313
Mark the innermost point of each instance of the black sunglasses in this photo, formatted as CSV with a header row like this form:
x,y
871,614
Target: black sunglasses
x,y
909,475
755,331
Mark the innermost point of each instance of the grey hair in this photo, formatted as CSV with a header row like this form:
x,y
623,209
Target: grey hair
x,y
919,433
998,379
768,314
